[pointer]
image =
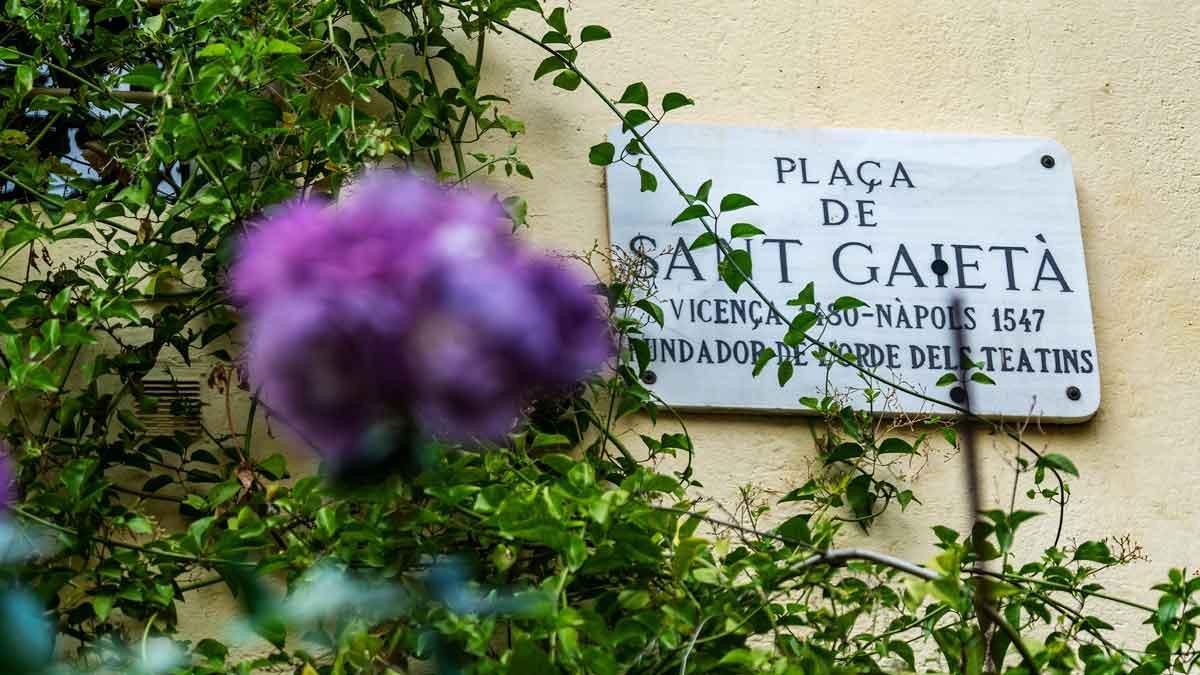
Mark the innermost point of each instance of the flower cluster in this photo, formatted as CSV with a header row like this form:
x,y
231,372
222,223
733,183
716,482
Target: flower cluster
x,y
406,301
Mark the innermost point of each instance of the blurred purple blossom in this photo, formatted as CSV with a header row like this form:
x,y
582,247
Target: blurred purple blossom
x,y
8,491
407,300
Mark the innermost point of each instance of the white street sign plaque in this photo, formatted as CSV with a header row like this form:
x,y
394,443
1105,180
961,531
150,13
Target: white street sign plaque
x,y
902,221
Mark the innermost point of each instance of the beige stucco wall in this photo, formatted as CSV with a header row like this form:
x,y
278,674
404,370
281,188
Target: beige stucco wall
x,y
1114,82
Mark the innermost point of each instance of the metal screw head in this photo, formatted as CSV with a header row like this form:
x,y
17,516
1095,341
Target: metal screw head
x,y
649,377
1073,393
1048,161
958,395
939,267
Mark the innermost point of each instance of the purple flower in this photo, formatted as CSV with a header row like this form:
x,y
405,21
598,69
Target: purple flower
x,y
407,302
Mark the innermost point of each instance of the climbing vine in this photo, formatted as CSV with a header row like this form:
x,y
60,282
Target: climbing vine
x,y
157,157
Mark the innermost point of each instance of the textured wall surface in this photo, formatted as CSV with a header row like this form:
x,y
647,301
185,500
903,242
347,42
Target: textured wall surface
x,y
1114,82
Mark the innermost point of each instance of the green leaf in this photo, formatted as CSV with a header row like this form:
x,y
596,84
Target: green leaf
x,y
652,309
686,552
799,327
847,302
223,492
860,497
517,209
945,535
7,54
130,421
736,268
844,453
232,154
705,239
675,100
895,446
1056,461
139,525
785,371
197,530
23,80
905,652
806,296
633,599
52,331
796,529
364,14
275,466
635,118
744,230
641,350
20,234
1094,551
213,50
760,362
558,20
950,435
323,10
527,657
734,201
636,94
102,604
76,474
549,441
690,213
276,46
210,9
59,304
649,180
567,79
602,154
548,65
594,33
327,520
947,379
559,462
40,377
146,75
501,9
702,193
982,378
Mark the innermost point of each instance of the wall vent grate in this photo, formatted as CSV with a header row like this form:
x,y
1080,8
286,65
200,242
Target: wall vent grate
x,y
178,408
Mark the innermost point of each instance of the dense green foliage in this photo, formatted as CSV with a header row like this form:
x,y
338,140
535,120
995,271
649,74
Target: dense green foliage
x,y
146,133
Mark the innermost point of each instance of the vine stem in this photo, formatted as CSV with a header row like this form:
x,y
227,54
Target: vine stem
x,y
84,81
725,248
625,453
734,526
1018,579
133,547
138,97
837,557
691,645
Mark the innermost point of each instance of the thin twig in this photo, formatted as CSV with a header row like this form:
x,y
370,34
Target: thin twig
x,y
133,547
691,645
138,97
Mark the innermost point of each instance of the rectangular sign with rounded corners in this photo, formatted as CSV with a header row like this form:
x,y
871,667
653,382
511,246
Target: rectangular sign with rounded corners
x,y
890,229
